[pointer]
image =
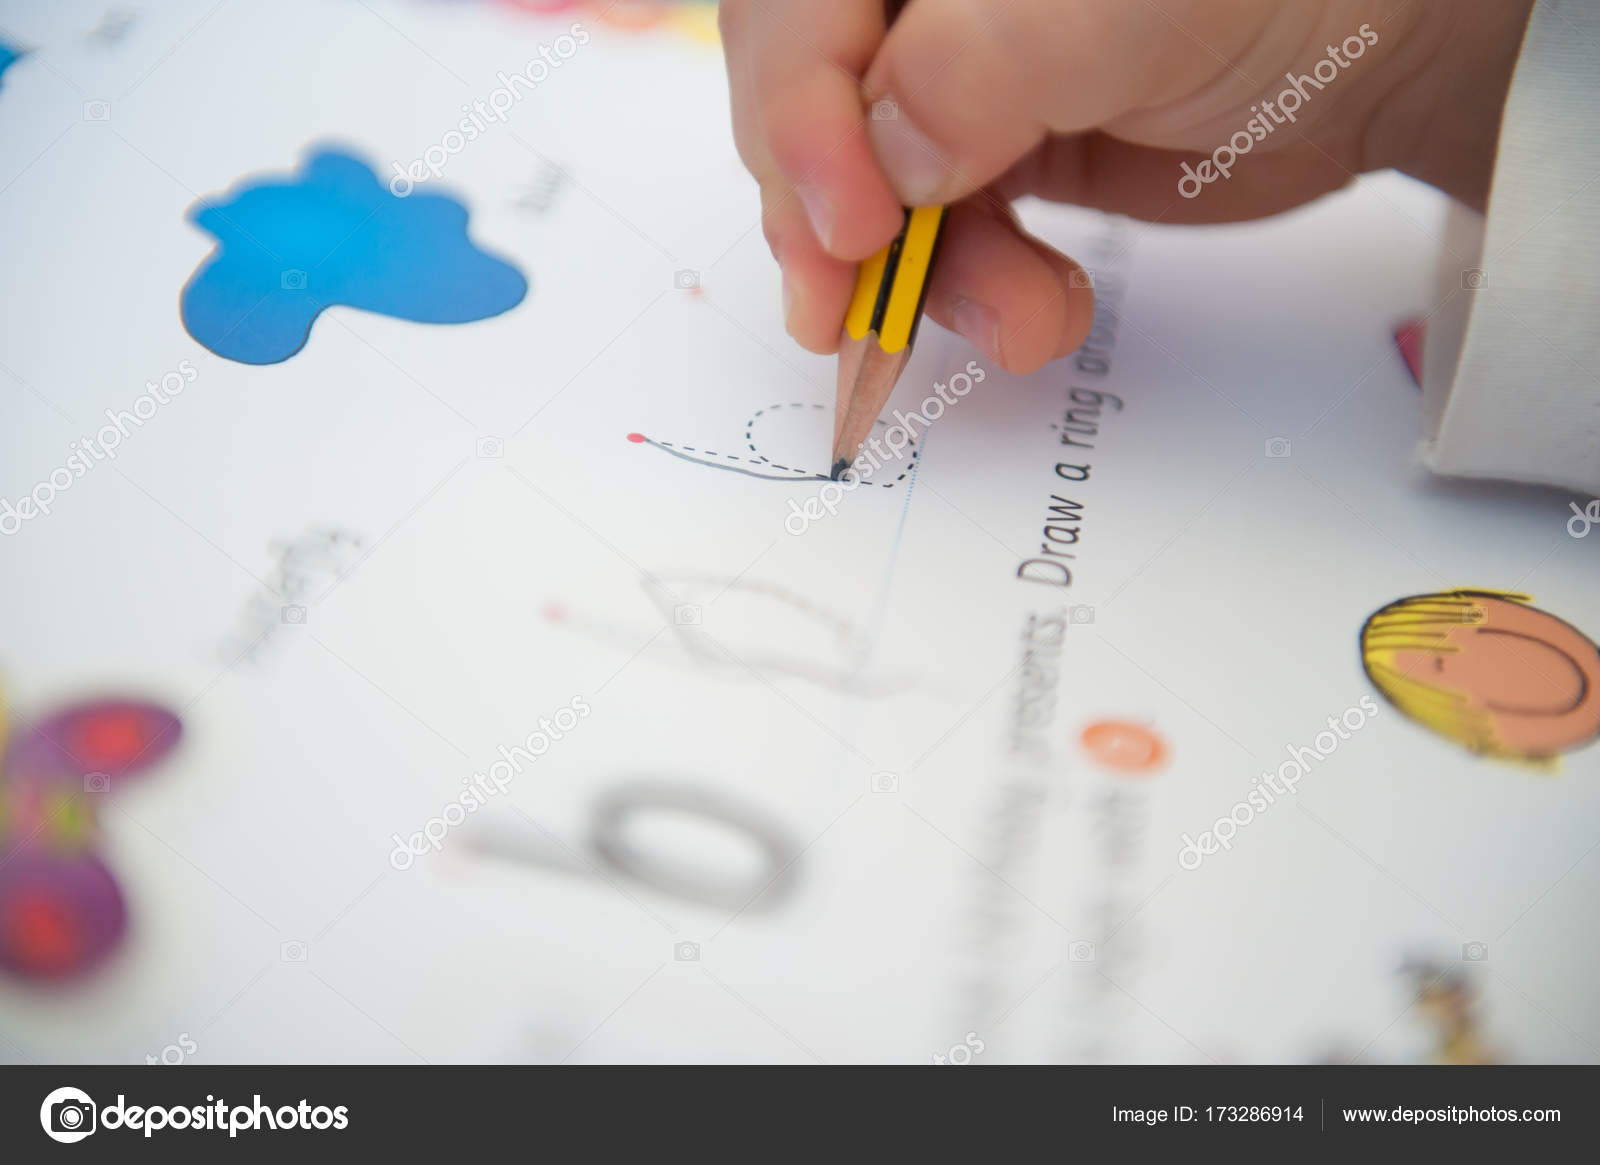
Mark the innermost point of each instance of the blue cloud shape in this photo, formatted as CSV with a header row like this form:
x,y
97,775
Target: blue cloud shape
x,y
9,56
333,234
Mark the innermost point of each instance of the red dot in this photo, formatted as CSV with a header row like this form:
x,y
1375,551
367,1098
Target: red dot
x,y
1131,748
636,438
110,737
44,935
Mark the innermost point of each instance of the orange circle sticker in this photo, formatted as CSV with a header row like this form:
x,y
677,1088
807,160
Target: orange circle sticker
x,y
1129,748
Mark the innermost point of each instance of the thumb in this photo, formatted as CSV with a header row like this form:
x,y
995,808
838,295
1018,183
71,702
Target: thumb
x,y
964,90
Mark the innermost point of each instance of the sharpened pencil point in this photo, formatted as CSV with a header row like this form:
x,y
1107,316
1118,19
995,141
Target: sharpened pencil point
x,y
838,469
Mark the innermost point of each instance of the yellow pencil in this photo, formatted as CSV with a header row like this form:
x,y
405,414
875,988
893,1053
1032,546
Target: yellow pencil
x,y
880,328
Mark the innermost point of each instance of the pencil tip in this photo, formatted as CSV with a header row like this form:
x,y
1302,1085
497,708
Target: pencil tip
x,y
838,469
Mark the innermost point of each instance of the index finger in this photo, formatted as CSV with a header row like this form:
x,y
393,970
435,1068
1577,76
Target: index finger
x,y
796,76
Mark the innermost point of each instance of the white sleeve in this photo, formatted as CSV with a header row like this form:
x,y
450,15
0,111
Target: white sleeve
x,y
1511,372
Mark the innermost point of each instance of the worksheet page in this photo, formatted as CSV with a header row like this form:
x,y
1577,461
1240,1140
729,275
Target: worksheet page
x,y
431,634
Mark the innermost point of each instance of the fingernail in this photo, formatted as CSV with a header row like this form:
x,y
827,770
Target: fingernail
x,y
916,167
819,210
981,325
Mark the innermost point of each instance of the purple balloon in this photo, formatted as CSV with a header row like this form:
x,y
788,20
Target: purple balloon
x,y
98,738
60,915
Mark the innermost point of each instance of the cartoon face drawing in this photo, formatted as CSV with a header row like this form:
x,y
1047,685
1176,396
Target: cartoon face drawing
x,y
1488,671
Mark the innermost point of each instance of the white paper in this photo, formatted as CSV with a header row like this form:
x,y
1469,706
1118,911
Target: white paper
x,y
1219,594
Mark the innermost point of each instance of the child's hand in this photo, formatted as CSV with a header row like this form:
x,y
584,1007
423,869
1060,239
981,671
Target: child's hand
x,y
1096,102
